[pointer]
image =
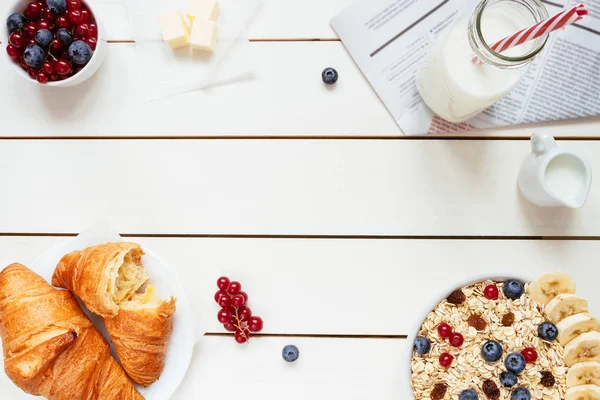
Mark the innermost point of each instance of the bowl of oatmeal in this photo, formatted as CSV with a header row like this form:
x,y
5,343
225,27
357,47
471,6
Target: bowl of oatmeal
x,y
506,338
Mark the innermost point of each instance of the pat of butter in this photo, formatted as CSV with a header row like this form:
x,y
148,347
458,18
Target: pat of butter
x,y
204,9
174,30
204,35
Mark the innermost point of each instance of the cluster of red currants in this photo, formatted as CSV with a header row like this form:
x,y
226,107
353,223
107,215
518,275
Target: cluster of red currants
x,y
455,339
234,313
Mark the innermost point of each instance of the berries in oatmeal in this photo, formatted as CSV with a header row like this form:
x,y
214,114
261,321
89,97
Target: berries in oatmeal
x,y
444,330
547,331
422,345
491,292
520,394
515,363
513,289
530,355
491,351
456,339
468,394
508,379
446,359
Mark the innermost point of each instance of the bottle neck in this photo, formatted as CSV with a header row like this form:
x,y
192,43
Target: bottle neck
x,y
531,11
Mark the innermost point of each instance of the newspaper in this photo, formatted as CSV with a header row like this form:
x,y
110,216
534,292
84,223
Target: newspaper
x,y
389,38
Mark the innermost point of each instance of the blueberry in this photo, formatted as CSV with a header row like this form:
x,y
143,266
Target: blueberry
x,y
520,394
468,394
43,38
422,345
15,21
290,353
80,52
491,351
65,37
513,289
515,363
548,331
34,56
508,379
57,6
330,76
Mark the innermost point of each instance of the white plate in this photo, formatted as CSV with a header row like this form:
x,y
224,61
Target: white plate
x,y
183,339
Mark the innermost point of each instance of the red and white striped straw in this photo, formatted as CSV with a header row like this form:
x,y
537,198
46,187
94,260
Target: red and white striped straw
x,y
542,28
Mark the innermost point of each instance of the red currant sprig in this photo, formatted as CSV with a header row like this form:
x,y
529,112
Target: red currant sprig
x,y
234,314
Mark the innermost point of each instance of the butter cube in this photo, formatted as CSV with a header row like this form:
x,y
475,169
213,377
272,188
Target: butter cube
x,y
204,9
204,35
174,30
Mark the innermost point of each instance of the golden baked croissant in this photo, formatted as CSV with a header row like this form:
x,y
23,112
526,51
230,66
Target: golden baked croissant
x,y
140,333
50,347
102,276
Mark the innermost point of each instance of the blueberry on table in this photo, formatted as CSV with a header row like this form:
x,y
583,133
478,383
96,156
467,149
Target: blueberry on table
x,y
330,76
491,351
508,379
422,345
34,56
520,394
515,363
80,52
468,394
43,37
290,353
15,21
57,6
64,37
513,289
548,331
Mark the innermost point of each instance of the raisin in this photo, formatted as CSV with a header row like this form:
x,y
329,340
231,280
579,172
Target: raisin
x,y
439,391
508,319
491,390
457,297
477,322
547,379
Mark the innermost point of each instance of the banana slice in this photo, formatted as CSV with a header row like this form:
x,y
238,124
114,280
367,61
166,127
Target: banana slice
x,y
547,286
585,392
585,347
565,305
585,373
573,326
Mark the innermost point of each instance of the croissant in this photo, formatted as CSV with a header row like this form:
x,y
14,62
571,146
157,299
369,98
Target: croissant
x,y
50,347
141,333
102,276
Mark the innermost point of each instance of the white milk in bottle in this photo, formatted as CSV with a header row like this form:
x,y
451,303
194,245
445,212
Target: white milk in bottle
x,y
455,87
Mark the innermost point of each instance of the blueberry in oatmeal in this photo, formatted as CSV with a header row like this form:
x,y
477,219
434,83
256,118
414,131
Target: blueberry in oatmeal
x,y
422,345
491,351
468,394
515,363
547,331
513,289
520,394
508,379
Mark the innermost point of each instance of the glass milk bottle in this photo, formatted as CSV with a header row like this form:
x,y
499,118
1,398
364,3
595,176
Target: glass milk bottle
x,y
455,86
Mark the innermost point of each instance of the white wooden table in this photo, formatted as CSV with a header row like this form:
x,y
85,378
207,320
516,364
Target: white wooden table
x,y
337,225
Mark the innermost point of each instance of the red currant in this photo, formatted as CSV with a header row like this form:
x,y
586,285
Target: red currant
x,y
48,68
530,355
13,52
73,5
48,15
42,4
31,41
230,327
446,359
224,316
34,10
225,301
245,296
238,300
55,46
491,292
32,73
42,77
43,24
23,64
255,324
92,41
62,22
75,17
31,29
93,30
456,339
55,77
17,39
234,288
87,16
82,31
244,313
219,294
242,336
444,330
223,282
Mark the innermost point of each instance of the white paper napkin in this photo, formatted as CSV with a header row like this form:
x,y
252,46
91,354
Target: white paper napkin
x,y
168,72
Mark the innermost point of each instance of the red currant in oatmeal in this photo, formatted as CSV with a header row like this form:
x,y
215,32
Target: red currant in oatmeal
x,y
444,330
456,339
491,292
530,355
446,359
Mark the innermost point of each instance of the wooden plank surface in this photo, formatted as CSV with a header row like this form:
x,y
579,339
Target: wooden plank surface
x,y
286,98
345,287
281,187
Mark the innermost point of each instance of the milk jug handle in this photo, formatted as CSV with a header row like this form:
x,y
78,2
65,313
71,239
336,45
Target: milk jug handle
x,y
542,143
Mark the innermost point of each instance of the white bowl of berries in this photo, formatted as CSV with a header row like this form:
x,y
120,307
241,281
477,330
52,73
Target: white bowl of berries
x,y
56,43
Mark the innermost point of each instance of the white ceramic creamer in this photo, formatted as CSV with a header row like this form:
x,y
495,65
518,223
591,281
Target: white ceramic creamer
x,y
455,87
